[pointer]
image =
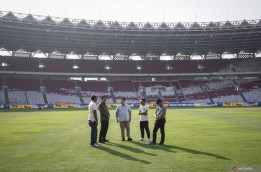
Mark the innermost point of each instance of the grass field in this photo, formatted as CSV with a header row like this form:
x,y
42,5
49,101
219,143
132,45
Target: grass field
x,y
199,139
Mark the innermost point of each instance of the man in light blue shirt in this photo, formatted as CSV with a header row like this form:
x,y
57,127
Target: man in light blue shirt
x,y
123,115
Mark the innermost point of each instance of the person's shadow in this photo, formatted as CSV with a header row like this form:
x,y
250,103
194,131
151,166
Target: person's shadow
x,y
132,149
122,155
156,147
169,148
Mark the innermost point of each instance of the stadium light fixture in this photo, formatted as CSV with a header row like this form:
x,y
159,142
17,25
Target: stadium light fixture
x,y
107,67
249,78
4,64
76,66
91,79
103,79
41,65
169,67
76,78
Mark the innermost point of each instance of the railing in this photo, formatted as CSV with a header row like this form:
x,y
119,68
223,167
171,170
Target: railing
x,y
128,75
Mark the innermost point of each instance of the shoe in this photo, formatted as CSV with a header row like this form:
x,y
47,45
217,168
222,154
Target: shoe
x,y
95,145
129,139
106,140
100,141
153,143
161,144
148,140
123,139
141,139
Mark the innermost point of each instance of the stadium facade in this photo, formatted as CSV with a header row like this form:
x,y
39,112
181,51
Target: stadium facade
x,y
71,68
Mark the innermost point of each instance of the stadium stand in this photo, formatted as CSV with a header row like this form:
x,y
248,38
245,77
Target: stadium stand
x,y
125,89
2,97
252,90
61,92
93,87
58,91
181,78
16,92
24,91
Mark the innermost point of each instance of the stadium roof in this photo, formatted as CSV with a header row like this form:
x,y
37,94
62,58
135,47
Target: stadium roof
x,y
33,33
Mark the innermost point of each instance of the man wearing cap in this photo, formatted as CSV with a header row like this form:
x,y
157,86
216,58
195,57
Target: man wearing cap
x,y
160,121
123,115
144,120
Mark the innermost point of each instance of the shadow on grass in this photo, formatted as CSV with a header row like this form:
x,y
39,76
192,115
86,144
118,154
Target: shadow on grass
x,y
122,155
198,152
156,147
169,147
132,149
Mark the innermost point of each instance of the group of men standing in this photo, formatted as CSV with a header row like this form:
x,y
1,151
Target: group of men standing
x,y
123,116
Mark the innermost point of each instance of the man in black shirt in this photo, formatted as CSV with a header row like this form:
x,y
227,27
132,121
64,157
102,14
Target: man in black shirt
x,y
105,116
160,114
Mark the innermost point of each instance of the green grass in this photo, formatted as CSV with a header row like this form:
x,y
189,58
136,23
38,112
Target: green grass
x,y
200,139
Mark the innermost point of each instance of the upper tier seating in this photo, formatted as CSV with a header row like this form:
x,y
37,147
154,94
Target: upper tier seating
x,y
129,66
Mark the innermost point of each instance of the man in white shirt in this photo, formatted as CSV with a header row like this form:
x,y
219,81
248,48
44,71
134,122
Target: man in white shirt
x,y
144,120
123,115
93,121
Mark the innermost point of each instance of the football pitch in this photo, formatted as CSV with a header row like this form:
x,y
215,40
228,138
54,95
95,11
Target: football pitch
x,y
197,139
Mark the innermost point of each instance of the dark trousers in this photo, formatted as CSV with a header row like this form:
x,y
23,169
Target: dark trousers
x,y
93,132
144,125
160,124
104,129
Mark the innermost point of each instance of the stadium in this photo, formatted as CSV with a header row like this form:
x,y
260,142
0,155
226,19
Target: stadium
x,y
208,75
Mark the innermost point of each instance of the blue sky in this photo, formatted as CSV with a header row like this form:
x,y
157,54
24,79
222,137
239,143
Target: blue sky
x,y
141,10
